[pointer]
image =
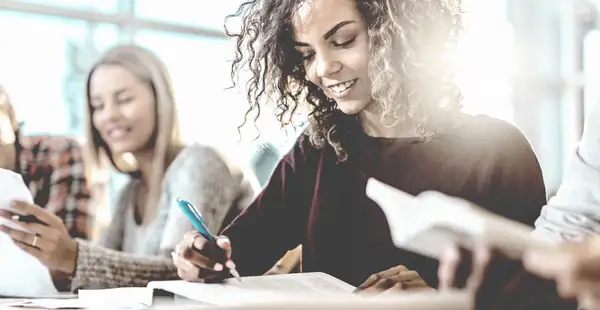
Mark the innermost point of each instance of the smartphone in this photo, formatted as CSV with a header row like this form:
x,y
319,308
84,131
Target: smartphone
x,y
30,219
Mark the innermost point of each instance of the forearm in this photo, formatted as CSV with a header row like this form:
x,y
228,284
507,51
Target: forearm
x,y
98,267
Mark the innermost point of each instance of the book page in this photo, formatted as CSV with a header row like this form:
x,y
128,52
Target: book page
x,y
304,283
257,289
431,222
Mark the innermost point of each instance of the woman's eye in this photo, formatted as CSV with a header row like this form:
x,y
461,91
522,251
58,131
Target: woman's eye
x,y
307,57
344,43
125,100
96,106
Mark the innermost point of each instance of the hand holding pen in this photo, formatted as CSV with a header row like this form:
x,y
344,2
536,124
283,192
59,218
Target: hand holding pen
x,y
200,255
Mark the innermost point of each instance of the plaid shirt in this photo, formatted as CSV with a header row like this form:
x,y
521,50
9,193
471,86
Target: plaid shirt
x,y
53,170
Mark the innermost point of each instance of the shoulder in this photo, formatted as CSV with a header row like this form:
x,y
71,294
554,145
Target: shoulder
x,y
200,161
492,134
303,151
196,156
54,145
54,151
197,161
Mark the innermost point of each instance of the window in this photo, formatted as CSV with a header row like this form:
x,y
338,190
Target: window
x,y
44,73
104,6
485,60
199,69
187,12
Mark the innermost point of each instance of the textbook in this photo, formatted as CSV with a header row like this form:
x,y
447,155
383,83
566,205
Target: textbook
x,y
431,222
258,288
311,290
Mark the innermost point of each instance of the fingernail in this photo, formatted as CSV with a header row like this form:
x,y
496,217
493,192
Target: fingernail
x,y
218,267
230,264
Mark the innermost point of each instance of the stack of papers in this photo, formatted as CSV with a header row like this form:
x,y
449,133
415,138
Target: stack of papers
x,y
34,277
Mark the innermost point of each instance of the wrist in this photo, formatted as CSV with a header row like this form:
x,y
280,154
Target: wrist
x,y
70,259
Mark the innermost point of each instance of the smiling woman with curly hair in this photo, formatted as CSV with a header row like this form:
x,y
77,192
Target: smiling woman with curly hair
x,y
410,71
378,80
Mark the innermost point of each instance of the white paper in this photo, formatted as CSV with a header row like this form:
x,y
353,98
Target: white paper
x,y
431,222
122,297
116,298
12,188
258,289
21,275
50,304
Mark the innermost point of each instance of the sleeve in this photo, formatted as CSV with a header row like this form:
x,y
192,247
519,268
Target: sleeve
x,y
275,221
104,265
516,189
100,268
210,182
574,213
69,194
201,176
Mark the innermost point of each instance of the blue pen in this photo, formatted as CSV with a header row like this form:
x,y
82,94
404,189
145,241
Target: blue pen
x,y
198,222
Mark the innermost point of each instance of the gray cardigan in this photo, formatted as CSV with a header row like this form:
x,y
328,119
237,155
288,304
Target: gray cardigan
x,y
574,212
198,174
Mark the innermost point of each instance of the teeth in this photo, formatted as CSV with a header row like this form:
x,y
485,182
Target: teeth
x,y
117,133
339,88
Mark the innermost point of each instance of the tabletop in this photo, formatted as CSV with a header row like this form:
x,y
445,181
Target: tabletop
x,y
159,303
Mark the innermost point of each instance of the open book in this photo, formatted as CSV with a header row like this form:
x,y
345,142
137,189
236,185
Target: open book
x,y
431,222
257,289
312,290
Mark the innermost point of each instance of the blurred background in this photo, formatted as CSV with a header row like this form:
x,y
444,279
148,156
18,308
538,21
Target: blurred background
x,y
525,61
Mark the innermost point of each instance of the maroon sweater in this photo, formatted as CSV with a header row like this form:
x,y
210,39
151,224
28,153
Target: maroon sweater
x,y
313,200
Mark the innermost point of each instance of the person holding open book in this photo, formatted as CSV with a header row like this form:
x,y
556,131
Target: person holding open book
x,y
378,78
572,215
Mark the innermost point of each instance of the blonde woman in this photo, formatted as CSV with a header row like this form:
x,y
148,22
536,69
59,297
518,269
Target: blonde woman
x,y
132,113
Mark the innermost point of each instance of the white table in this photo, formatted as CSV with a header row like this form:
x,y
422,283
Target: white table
x,y
159,303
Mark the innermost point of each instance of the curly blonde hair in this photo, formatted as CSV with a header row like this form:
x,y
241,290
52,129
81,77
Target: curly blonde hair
x,y
411,69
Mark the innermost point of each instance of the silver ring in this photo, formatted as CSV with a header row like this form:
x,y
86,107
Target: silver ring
x,y
34,243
